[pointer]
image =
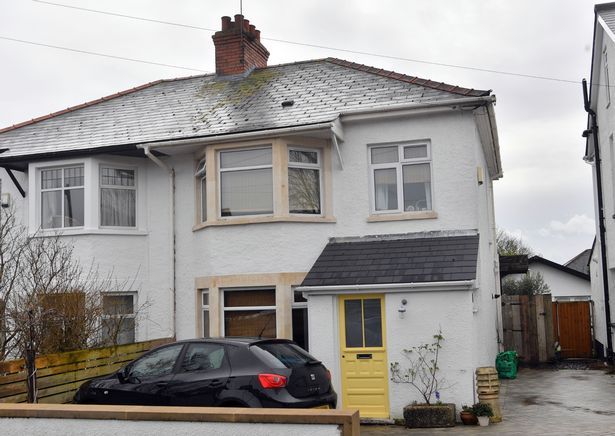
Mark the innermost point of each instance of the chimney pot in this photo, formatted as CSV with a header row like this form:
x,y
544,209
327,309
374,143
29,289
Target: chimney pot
x,y
226,23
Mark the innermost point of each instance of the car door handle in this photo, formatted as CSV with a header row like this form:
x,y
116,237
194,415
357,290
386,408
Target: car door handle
x,y
216,383
162,384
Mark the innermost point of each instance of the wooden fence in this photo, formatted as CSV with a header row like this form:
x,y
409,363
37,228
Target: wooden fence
x,y
528,327
59,375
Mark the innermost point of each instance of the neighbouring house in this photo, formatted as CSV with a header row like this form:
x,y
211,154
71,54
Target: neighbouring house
x,y
347,207
580,262
565,283
600,154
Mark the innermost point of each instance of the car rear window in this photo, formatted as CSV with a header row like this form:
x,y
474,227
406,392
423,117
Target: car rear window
x,y
283,355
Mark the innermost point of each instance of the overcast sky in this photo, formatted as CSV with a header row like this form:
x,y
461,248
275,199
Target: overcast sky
x,y
545,195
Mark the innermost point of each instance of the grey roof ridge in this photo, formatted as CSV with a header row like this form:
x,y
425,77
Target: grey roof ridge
x,y
401,236
414,80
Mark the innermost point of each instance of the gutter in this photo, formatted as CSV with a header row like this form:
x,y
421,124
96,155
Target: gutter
x,y
459,285
171,171
593,130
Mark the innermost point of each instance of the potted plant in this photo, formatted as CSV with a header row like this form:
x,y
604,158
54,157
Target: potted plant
x,y
467,416
422,374
483,412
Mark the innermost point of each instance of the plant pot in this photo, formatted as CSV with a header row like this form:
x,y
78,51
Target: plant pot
x,y
483,421
468,418
429,415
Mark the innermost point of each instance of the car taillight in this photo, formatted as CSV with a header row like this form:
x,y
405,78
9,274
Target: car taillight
x,y
272,381
329,375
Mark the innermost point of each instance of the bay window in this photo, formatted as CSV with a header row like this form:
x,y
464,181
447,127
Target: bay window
x,y
118,323
304,181
118,197
246,182
201,175
62,202
250,313
401,178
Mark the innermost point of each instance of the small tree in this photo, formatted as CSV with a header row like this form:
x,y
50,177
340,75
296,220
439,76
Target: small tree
x,y
422,374
509,245
532,283
50,302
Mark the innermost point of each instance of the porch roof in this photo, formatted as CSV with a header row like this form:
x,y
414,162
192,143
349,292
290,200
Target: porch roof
x,y
395,259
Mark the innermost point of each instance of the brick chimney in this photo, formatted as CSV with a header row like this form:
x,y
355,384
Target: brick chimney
x,y
238,47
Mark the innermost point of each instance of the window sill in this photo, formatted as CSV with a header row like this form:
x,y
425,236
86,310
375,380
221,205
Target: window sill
x,y
83,232
423,215
264,219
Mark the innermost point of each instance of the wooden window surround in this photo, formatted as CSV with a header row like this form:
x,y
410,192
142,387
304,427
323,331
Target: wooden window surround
x,y
281,213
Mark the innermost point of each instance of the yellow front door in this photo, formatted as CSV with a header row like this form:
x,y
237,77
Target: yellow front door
x,y
363,355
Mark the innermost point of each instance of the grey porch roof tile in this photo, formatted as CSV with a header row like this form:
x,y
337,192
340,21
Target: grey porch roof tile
x,y
411,258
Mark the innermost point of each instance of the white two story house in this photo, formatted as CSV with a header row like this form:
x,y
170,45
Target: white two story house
x,y
343,206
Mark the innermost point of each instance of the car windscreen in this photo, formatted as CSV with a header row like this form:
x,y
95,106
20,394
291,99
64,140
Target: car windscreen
x,y
283,355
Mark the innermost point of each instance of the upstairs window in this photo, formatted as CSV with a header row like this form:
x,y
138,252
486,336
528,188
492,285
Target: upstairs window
x,y
118,197
62,203
201,175
304,181
400,178
246,182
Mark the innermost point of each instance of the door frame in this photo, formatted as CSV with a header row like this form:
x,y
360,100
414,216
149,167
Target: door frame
x,y
342,342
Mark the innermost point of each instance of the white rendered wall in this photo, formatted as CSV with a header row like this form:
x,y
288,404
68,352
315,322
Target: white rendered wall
x,y
426,313
110,427
606,122
561,283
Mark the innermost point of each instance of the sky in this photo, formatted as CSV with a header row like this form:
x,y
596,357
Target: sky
x,y
545,196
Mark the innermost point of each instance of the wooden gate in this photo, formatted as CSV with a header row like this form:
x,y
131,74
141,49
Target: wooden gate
x,y
527,324
572,328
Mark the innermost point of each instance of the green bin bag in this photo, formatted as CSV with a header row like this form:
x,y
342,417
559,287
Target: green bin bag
x,y
506,364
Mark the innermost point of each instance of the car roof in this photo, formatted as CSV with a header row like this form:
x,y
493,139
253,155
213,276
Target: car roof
x,y
239,340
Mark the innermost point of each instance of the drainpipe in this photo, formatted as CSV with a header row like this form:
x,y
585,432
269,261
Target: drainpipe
x,y
171,171
593,130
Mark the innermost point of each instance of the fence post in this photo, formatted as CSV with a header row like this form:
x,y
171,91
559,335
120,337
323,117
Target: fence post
x,y
31,362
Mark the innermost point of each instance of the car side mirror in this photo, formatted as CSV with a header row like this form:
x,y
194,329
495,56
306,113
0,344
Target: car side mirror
x,y
122,375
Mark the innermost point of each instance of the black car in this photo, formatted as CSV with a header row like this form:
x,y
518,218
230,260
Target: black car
x,y
231,372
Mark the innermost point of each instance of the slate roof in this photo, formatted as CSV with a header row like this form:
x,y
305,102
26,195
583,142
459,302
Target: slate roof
x,y
580,262
607,12
207,105
411,258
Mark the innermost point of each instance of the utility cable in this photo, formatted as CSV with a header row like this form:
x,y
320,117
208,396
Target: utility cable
x,y
160,64
285,41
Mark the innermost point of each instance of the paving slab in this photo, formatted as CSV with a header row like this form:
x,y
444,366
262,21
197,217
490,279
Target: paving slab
x,y
540,402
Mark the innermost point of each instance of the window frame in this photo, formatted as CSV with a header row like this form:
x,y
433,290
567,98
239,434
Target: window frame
x,y
201,175
205,308
398,166
317,166
100,187
220,170
224,309
133,315
40,190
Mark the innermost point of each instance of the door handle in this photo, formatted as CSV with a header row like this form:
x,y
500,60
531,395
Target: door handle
x,y
162,384
216,383
364,356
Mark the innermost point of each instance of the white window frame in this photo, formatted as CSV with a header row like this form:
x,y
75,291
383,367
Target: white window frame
x,y
101,186
234,169
316,166
133,315
398,166
62,188
201,175
246,308
205,308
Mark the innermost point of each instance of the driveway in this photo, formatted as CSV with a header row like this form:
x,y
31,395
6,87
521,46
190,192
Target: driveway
x,y
541,402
